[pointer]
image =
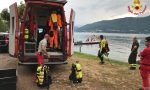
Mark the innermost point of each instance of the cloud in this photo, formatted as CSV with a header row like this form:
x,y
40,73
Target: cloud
x,y
88,11
7,3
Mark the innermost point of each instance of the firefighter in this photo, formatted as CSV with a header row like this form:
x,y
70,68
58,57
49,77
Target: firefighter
x,y
79,74
53,40
42,50
133,55
145,65
103,48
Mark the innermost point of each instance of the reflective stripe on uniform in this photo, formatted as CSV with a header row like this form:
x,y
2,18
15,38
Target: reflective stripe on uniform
x,y
133,65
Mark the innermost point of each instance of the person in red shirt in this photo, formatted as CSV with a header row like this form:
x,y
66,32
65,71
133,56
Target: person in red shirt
x,y
145,65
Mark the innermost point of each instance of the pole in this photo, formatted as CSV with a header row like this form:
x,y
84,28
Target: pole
x,y
108,58
80,48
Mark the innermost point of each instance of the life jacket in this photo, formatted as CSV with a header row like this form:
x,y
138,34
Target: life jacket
x,y
103,45
40,75
26,34
54,17
79,73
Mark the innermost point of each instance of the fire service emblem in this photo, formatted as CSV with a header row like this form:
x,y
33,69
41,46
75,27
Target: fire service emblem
x,y
137,8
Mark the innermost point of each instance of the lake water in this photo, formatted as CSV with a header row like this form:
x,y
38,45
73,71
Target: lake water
x,y
119,44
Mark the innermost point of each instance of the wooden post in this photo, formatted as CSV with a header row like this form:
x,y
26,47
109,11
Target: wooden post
x,y
80,48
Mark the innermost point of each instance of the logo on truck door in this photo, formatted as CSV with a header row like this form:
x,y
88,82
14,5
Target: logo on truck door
x,y
137,8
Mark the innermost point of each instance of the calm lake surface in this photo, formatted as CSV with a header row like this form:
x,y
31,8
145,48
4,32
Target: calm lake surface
x,y
119,44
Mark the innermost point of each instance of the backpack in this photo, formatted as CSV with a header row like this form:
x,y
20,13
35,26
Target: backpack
x,y
47,80
107,48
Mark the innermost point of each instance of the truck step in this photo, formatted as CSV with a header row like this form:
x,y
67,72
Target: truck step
x,y
47,63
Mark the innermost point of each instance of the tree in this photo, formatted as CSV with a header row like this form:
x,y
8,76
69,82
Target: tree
x,y
3,26
5,15
20,9
4,20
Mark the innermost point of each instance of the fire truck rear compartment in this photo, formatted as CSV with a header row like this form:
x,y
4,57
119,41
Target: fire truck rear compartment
x,y
42,14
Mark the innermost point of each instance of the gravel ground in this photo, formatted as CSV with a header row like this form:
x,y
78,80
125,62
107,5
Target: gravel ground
x,y
96,77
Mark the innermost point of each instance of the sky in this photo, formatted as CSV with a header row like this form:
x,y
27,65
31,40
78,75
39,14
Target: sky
x,y
89,11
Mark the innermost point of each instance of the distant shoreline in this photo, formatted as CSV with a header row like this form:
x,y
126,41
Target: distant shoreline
x,y
112,32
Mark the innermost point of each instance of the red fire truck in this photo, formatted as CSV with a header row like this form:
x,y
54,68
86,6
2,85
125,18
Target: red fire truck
x,y
39,11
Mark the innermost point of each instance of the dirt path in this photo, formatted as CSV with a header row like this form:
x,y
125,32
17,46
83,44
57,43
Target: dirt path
x,y
96,77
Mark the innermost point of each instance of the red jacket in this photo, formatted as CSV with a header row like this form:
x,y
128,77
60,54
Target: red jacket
x,y
145,56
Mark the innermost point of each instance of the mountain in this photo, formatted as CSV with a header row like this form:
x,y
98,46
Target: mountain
x,y
76,28
122,25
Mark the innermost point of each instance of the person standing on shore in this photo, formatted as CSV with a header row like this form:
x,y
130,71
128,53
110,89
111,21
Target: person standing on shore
x,y
103,49
133,54
145,65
